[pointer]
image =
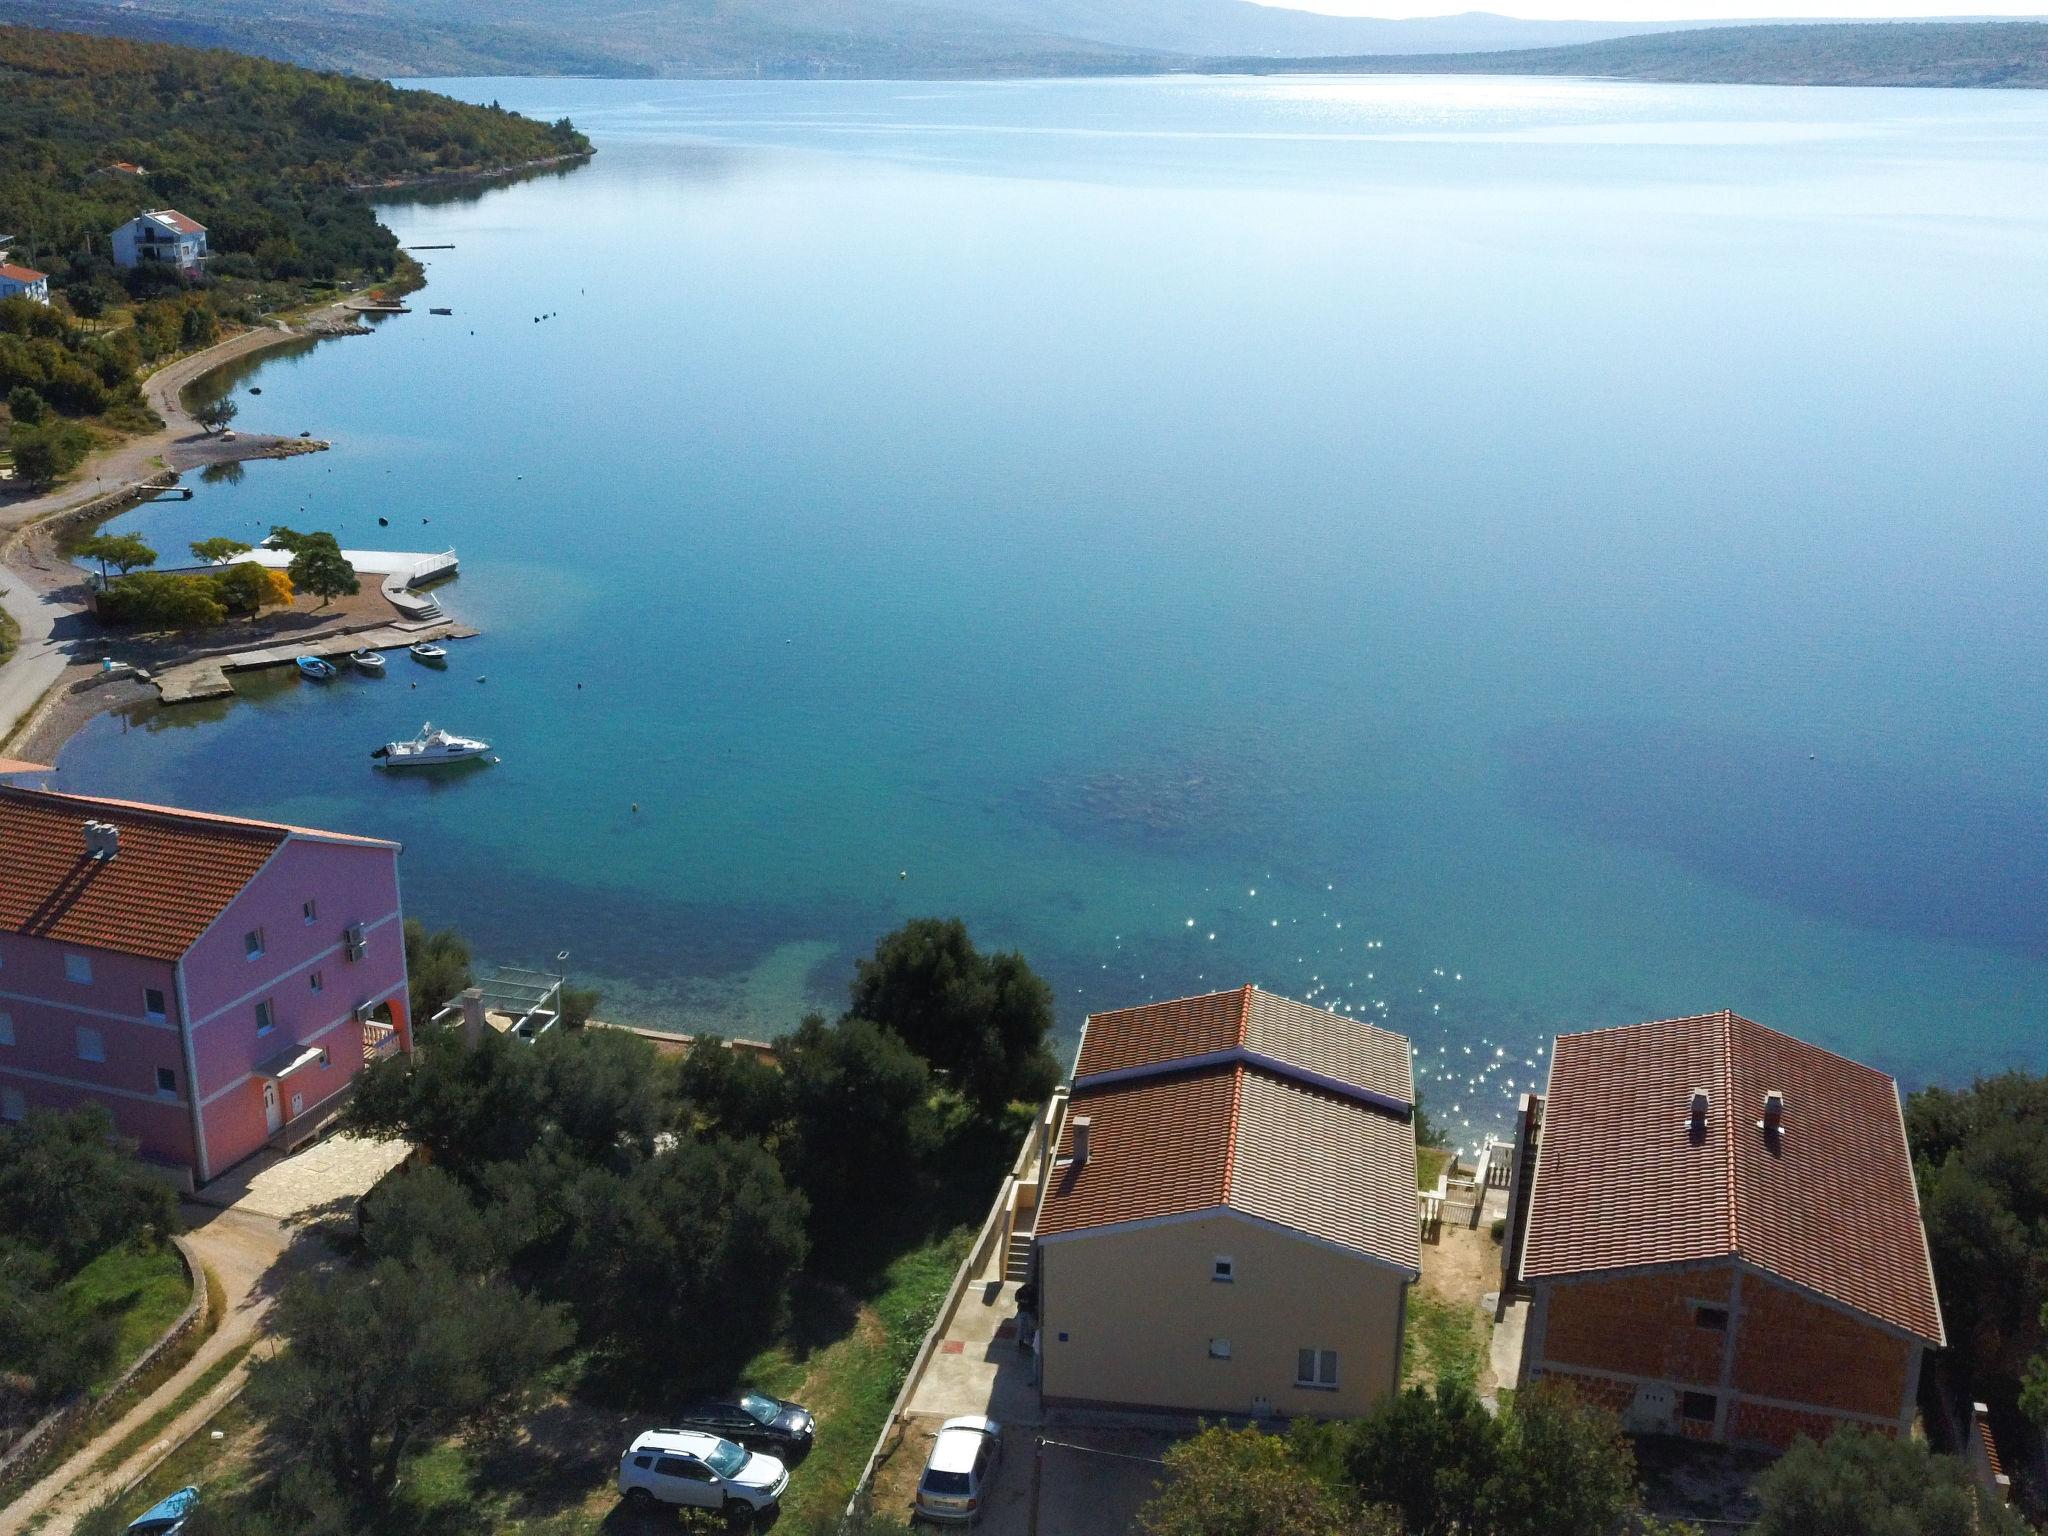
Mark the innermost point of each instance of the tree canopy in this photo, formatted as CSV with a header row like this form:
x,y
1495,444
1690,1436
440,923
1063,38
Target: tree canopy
x,y
983,1019
1867,1484
1981,1155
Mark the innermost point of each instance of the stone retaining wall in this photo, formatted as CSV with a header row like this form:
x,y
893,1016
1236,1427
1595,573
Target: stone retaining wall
x,y
25,1459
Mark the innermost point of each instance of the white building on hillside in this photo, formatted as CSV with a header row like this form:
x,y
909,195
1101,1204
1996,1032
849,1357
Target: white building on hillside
x,y
17,282
164,236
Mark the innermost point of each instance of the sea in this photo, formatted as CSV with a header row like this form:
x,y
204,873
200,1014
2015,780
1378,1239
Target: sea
x,y
1490,556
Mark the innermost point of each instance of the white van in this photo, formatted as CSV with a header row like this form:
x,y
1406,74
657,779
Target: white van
x,y
680,1466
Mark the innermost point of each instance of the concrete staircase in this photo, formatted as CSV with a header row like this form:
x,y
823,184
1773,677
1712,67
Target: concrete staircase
x,y
1017,1261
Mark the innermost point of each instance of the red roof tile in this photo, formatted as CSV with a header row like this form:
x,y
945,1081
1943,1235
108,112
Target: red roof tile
x,y
1232,1135
21,274
1157,1146
1829,1205
1315,1045
177,221
176,871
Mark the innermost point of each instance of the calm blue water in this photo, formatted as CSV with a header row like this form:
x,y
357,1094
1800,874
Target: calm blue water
x,y
1501,555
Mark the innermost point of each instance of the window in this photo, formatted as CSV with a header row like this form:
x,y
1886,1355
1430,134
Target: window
x,y
311,909
1699,1407
298,1105
1219,1349
316,981
1224,1270
1316,1368
6,1029
676,1466
12,1105
92,1046
252,943
153,1002
1715,1318
78,968
167,1081
266,1017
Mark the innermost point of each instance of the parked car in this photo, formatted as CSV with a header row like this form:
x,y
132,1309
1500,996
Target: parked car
x,y
960,1471
752,1418
679,1466
168,1517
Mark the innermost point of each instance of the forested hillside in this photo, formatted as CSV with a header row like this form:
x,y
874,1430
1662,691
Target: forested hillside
x,y
2007,53
266,155
272,159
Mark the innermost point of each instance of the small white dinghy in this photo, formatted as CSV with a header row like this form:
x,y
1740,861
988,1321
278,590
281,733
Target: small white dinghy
x,y
429,748
426,651
368,661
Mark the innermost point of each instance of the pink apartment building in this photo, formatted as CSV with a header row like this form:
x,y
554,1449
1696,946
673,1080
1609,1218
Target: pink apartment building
x,y
216,983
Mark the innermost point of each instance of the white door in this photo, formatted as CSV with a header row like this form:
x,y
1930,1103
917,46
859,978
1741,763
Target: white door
x,y
272,1118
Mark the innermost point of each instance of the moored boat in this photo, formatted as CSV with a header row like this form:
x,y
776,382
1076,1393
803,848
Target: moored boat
x,y
368,661
429,748
426,651
314,668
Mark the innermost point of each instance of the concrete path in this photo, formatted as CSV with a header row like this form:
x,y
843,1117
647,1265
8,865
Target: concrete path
x,y
180,443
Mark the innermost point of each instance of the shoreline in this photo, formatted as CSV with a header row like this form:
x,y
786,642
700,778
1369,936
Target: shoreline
x,y
40,684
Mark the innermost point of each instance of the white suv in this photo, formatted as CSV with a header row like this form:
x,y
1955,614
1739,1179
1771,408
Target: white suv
x,y
680,1466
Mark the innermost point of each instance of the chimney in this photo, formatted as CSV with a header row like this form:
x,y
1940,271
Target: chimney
x,y
1082,1125
473,1026
1773,1121
102,840
1698,1123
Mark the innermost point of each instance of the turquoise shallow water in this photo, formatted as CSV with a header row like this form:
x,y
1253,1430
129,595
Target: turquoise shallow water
x,y
1502,556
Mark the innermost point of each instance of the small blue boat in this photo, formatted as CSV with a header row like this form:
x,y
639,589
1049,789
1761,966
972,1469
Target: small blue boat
x,y
314,668
167,1518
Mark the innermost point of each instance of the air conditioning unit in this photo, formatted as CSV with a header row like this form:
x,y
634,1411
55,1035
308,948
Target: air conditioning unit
x,y
353,941
366,1013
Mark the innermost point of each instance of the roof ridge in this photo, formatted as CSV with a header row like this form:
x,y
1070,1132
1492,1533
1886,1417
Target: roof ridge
x,y
1728,1141
1230,1135
1244,1015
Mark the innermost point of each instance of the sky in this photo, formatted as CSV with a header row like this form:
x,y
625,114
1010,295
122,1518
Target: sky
x,y
1676,10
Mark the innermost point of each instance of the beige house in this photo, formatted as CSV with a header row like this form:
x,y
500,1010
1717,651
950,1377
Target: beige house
x,y
1229,1224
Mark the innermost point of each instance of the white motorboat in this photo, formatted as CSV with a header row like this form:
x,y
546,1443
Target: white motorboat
x,y
368,661
433,655
429,748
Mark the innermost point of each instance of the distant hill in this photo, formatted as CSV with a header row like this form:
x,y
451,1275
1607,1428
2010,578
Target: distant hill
x,y
777,37
1990,53
994,38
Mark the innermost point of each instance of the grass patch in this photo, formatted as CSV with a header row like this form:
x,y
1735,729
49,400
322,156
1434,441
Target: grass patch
x,y
1442,1342
10,636
217,1466
140,1288
851,1382
162,1419
1429,1165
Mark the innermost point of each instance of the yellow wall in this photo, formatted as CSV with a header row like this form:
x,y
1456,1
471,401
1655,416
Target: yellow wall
x,y
1139,1308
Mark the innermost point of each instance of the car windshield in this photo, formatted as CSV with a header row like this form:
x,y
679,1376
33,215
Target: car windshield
x,y
947,1482
765,1409
725,1458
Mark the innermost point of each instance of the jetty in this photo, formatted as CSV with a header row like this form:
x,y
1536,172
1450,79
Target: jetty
x,y
207,677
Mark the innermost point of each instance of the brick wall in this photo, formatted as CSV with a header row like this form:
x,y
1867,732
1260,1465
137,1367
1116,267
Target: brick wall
x,y
1764,1424
1643,1325
1797,1350
1605,1391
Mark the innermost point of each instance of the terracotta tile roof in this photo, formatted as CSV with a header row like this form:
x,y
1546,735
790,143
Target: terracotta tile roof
x,y
21,274
1158,1146
1329,1166
176,220
1142,1037
1232,1136
176,871
1313,1044
1830,1206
